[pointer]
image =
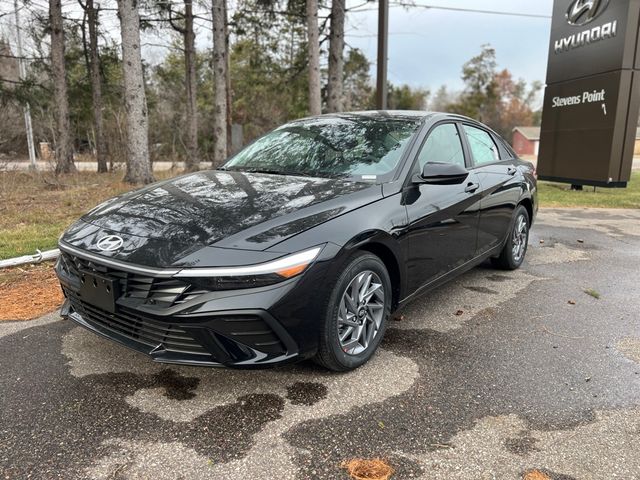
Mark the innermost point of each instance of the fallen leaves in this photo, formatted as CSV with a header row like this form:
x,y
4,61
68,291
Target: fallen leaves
x,y
536,475
368,469
571,302
459,313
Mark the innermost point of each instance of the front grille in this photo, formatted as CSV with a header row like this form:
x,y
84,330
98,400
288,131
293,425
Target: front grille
x,y
161,291
219,338
144,331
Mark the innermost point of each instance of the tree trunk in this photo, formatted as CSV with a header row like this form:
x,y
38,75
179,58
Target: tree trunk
x,y
228,79
313,44
193,156
220,82
336,60
135,101
64,147
96,87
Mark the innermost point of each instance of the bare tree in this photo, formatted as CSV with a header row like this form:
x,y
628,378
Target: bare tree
x,y
193,157
96,84
313,44
336,60
135,100
189,38
220,65
64,147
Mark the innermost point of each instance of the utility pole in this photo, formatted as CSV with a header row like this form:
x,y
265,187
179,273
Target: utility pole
x,y
27,107
383,44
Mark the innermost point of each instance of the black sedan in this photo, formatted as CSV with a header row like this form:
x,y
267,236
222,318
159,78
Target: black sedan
x,y
302,244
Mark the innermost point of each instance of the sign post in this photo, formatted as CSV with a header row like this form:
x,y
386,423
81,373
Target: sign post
x,y
592,99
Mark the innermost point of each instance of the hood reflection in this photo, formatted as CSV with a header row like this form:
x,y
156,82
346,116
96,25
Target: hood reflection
x,y
229,208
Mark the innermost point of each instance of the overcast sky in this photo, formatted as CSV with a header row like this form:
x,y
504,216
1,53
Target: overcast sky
x,y
427,47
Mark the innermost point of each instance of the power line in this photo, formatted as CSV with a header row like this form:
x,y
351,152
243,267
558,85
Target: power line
x,y
489,12
458,9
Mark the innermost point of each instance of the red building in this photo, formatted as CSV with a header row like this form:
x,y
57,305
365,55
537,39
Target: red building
x,y
526,140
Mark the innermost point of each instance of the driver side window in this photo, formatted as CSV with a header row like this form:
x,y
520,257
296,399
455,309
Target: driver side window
x,y
443,145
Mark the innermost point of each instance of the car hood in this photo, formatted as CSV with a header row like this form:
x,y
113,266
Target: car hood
x,y
196,218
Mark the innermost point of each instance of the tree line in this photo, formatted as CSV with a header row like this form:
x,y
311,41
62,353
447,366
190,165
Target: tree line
x,y
269,61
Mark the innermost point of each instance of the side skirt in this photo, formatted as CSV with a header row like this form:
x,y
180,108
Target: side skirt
x,y
474,262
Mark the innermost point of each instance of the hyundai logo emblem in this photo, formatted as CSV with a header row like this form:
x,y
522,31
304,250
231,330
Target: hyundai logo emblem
x,y
582,12
110,243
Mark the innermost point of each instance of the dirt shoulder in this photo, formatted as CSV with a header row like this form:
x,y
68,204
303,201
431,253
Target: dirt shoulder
x,y
28,292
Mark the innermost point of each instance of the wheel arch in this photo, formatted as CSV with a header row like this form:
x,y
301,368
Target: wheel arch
x,y
386,248
527,203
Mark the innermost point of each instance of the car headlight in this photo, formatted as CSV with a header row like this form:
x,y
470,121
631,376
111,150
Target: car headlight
x,y
250,276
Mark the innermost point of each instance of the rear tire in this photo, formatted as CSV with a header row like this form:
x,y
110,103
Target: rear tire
x,y
512,255
356,314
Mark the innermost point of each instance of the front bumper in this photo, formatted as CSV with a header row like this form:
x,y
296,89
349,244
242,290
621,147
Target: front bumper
x,y
231,328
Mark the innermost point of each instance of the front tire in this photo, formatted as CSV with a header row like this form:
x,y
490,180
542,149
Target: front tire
x,y
512,255
356,314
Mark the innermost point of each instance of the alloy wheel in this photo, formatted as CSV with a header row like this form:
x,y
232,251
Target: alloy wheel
x,y
520,237
361,312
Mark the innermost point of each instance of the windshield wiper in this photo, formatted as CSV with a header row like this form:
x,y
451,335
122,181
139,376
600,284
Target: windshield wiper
x,y
275,172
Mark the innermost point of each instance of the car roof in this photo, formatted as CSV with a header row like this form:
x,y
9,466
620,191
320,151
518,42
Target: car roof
x,y
382,114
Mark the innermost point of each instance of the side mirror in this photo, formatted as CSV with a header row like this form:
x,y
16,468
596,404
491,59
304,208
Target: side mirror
x,y
438,173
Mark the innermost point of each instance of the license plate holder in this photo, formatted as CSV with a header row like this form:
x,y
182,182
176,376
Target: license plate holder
x,y
98,290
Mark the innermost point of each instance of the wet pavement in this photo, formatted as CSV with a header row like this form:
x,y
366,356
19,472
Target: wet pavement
x,y
494,375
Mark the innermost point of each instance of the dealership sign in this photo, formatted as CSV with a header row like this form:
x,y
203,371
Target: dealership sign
x,y
582,12
592,99
586,97
604,32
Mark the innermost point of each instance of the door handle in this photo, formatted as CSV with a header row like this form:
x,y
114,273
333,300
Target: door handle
x,y
472,187
512,171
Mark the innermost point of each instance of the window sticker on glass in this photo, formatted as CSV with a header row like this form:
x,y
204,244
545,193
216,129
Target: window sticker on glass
x,y
369,177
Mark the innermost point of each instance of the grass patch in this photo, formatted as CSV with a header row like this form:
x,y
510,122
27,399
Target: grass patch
x,y
559,195
35,208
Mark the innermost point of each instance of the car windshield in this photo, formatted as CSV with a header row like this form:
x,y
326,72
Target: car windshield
x,y
358,146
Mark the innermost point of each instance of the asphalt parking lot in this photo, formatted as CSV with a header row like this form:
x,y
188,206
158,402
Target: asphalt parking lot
x,y
492,376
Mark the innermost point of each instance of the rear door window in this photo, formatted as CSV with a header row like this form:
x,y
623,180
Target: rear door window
x,y
483,148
